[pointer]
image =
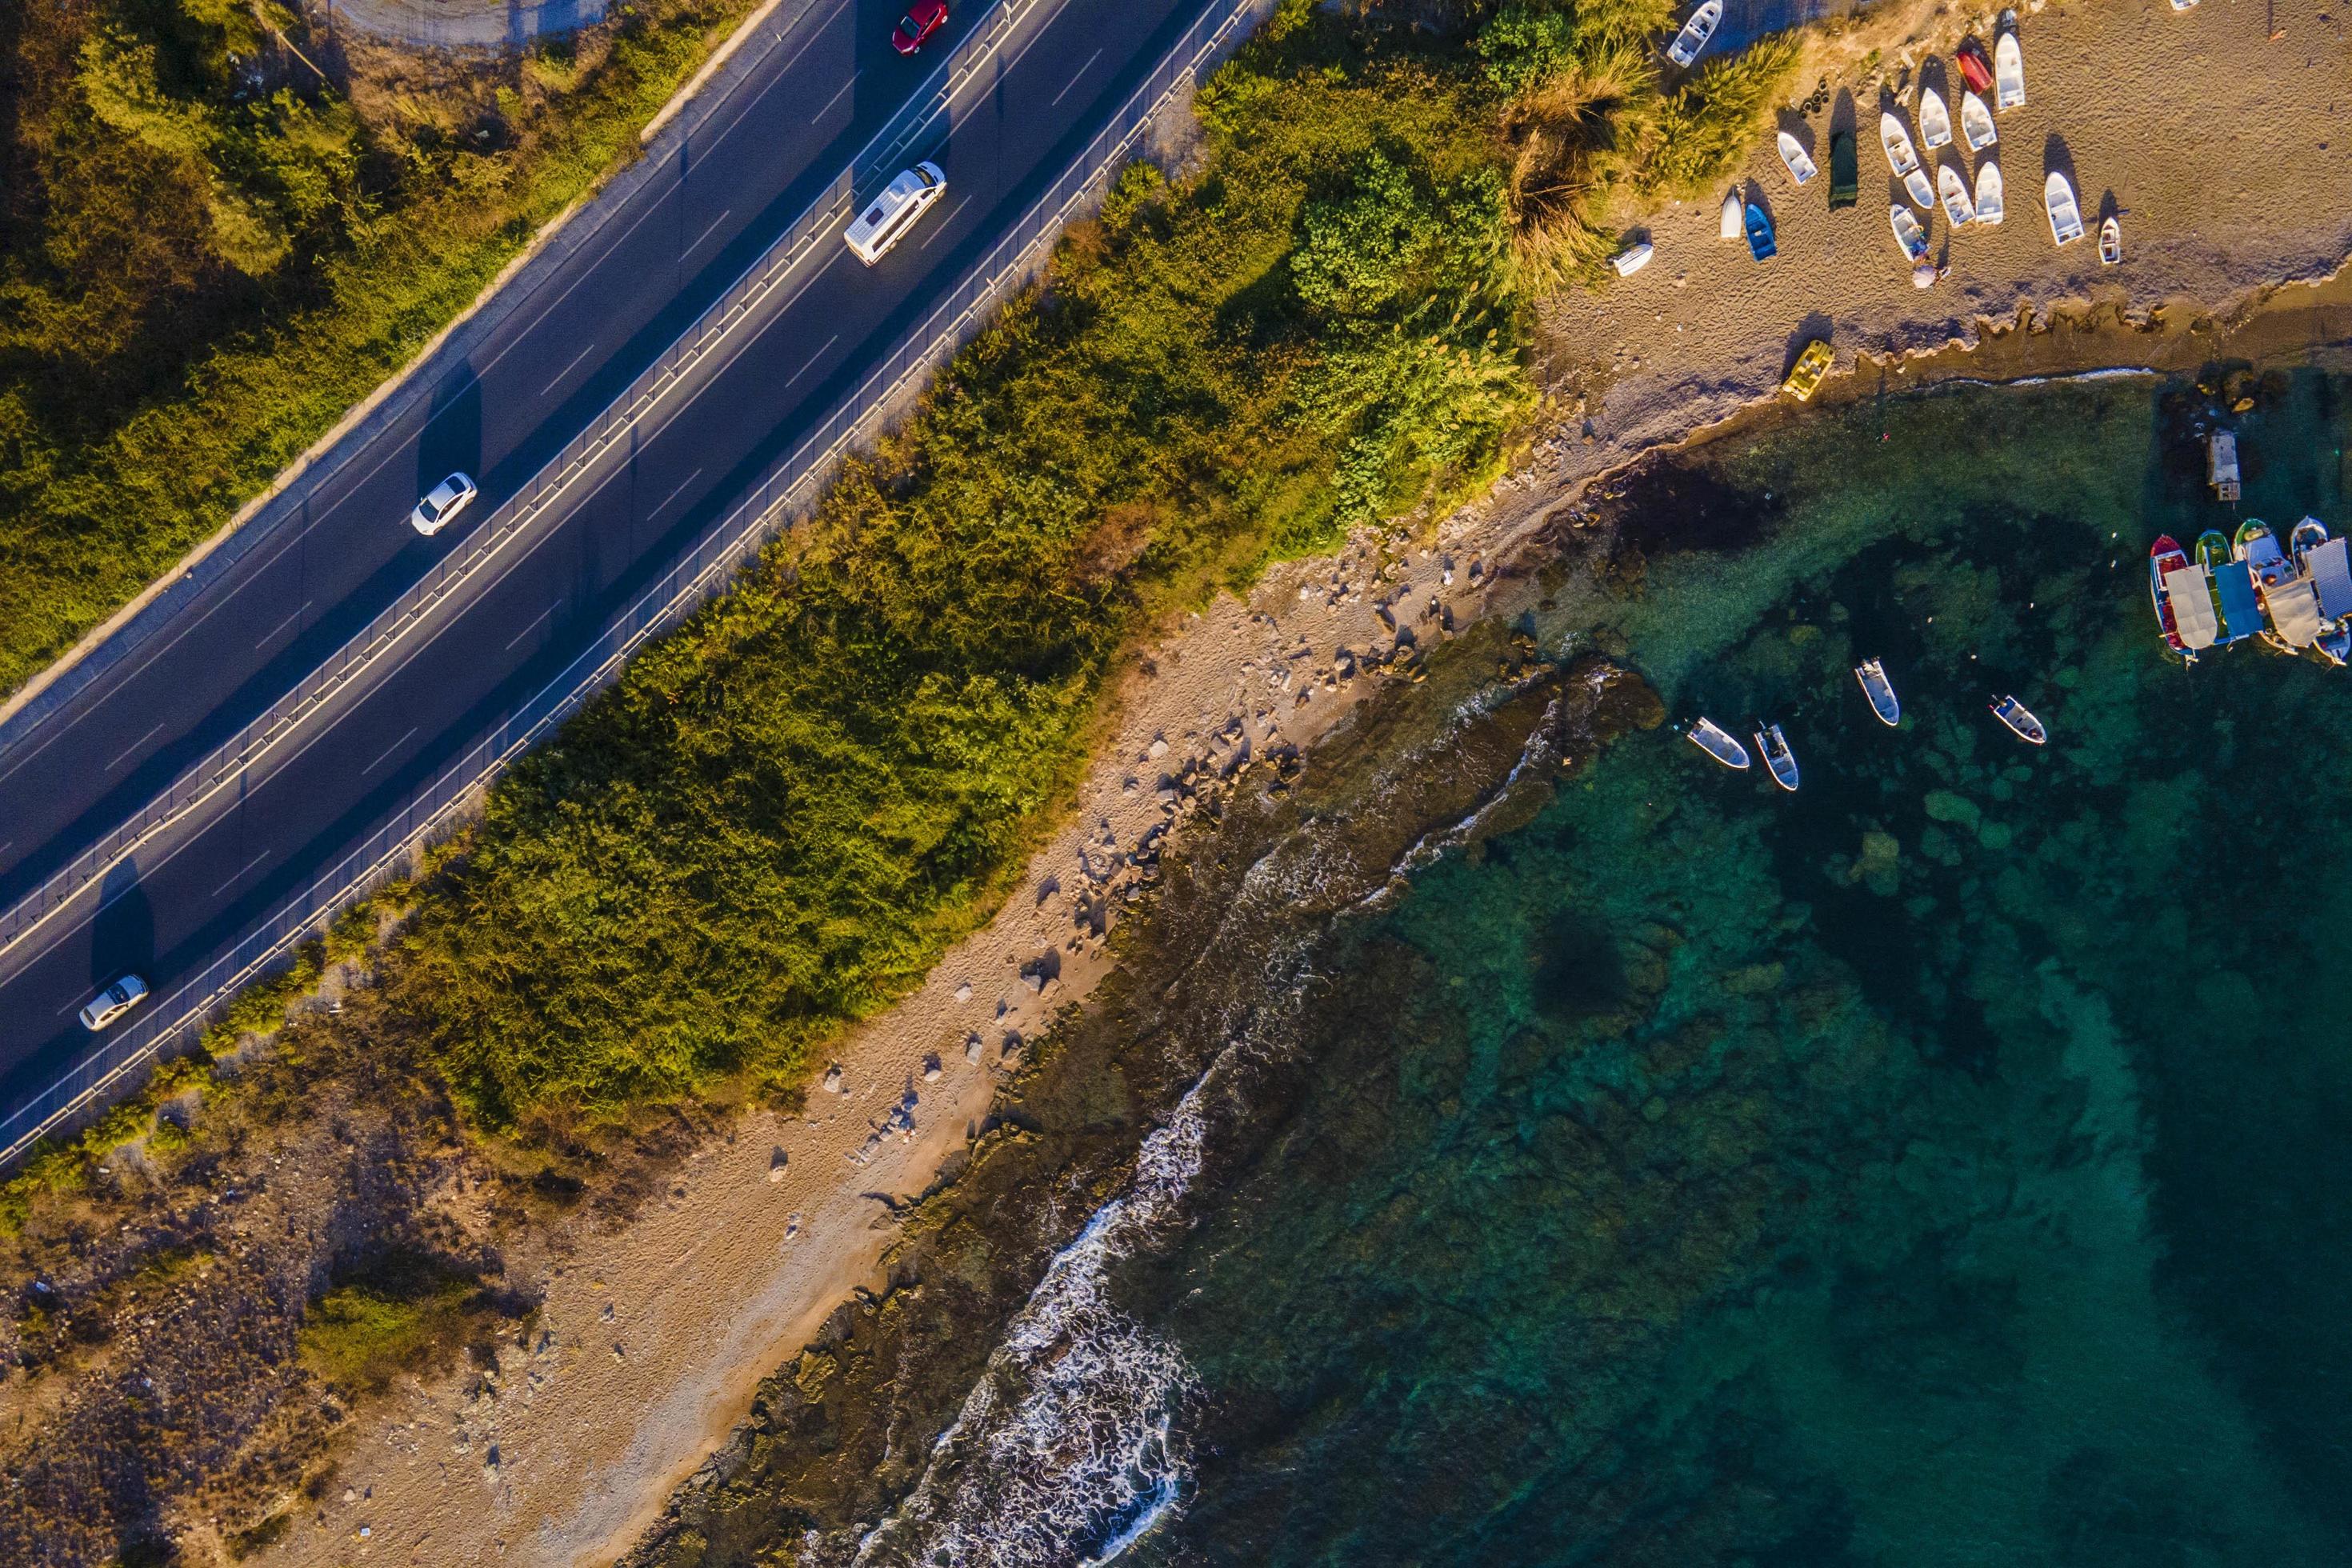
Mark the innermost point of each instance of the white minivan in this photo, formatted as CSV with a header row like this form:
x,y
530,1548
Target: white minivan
x,y
889,216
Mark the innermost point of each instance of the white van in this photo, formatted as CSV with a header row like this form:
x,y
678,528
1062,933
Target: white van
x,y
889,216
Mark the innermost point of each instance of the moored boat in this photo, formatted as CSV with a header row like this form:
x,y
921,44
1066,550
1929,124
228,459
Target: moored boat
x,y
2287,598
1777,757
1988,202
2009,72
1908,232
1957,208
2021,719
1801,163
2235,606
2183,594
1976,122
1900,157
1695,33
1718,742
1935,121
1880,690
2324,562
2065,216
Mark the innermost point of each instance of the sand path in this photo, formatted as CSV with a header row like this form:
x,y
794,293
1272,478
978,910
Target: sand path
x,y
2225,149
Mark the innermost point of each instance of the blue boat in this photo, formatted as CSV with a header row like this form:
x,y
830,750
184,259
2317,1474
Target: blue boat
x,y
1759,234
2233,589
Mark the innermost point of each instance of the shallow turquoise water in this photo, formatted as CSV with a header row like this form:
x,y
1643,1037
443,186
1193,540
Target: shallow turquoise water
x,y
1947,1164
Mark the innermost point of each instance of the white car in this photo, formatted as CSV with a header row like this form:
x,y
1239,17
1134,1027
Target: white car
x,y
113,1002
446,500
889,216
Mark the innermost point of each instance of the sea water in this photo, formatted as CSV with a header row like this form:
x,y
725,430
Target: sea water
x,y
1949,1164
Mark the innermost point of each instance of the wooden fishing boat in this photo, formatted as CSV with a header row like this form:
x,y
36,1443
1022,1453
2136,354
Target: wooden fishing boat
x,y
1718,742
2234,604
1804,377
1880,690
1976,122
2183,602
1845,177
1935,121
1958,208
2111,242
2288,598
2020,721
1777,757
1900,155
1695,33
2325,566
1793,154
1908,232
1988,202
2065,217
2008,73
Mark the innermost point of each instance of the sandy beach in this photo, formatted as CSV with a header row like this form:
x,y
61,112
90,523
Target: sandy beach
x,y
2223,149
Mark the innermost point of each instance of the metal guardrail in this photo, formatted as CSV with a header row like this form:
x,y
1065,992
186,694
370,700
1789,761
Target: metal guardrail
x,y
882,157
791,485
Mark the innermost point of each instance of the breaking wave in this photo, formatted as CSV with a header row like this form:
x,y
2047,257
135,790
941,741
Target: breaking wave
x,y
1068,1446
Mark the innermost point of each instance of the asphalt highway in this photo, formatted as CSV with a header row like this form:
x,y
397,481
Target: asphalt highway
x,y
786,126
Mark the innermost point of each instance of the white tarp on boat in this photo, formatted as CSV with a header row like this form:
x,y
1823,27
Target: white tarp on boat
x,y
2186,589
2293,606
2332,575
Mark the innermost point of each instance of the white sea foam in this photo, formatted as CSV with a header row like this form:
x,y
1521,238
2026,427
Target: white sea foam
x,y
1068,1438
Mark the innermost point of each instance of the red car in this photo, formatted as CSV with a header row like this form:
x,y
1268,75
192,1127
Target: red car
x,y
918,24
1975,68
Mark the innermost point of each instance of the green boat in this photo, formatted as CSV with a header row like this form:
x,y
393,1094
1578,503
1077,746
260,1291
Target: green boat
x,y
2232,586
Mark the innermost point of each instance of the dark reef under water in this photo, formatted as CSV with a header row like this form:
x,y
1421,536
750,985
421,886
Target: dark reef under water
x,y
1949,1164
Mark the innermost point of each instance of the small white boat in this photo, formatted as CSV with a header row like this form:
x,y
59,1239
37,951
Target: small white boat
x,y
1695,33
1988,207
2183,5
1921,193
1777,757
1735,218
1632,259
1880,690
2021,719
1976,122
1718,742
2111,242
1908,232
1900,157
2009,72
1793,152
1935,121
2065,217
1957,208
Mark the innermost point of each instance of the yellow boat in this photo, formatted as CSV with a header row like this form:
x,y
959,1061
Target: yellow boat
x,y
1806,375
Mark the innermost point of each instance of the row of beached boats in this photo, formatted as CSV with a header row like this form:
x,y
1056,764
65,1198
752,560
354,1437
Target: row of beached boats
x,y
1983,199
2297,599
1780,759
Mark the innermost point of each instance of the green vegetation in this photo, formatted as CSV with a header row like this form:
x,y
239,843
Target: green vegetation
x,y
210,249
407,1314
784,812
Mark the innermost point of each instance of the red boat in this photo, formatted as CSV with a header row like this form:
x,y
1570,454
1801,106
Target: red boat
x,y
2166,555
1975,69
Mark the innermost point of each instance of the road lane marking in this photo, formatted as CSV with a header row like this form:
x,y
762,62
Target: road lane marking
x,y
667,498
836,98
940,228
233,881
284,624
813,359
567,370
815,38
1074,81
698,238
387,753
132,747
535,623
